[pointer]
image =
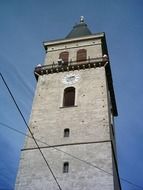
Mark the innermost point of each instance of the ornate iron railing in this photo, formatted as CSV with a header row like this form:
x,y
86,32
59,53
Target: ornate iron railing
x,y
60,66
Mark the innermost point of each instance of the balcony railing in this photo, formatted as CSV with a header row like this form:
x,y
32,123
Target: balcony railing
x,y
71,65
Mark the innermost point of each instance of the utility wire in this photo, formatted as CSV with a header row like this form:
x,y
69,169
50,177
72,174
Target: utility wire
x,y
35,140
123,179
133,184
30,131
13,129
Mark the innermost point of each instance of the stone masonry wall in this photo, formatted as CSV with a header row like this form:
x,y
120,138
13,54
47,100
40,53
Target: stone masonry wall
x,y
88,122
88,147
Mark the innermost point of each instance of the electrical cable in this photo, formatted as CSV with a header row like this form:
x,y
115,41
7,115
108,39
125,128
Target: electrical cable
x,y
30,131
123,179
35,140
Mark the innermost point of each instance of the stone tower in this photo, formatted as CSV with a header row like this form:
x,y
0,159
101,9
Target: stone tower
x,y
72,117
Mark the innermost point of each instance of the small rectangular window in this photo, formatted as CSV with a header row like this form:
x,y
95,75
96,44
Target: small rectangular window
x,y
66,132
65,167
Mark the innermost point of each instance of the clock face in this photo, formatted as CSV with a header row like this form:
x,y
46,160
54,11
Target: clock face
x,y
70,78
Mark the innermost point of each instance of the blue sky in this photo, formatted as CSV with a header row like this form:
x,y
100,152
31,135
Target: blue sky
x,y
24,25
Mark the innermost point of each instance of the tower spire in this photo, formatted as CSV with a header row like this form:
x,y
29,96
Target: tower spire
x,y
79,30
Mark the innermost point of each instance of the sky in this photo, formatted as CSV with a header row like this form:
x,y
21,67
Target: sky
x,y
24,25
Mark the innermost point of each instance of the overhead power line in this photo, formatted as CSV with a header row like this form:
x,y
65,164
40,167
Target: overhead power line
x,y
30,131
71,155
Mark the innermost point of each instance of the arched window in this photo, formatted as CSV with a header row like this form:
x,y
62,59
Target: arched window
x,y
65,167
69,97
81,55
66,132
64,56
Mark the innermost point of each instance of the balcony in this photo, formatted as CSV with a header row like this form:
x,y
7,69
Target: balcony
x,y
60,66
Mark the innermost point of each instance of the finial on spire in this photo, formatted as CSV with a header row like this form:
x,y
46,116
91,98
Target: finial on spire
x,y
81,19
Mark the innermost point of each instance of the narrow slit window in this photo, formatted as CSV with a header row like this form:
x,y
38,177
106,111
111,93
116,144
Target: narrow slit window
x,y
69,97
65,167
66,132
81,55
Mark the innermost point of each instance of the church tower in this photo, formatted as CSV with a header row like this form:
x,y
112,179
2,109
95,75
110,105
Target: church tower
x,y
72,118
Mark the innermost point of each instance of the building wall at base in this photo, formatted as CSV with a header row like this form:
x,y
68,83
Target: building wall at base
x,y
34,174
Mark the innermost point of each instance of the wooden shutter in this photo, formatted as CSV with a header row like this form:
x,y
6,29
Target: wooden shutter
x,y
69,97
64,56
81,55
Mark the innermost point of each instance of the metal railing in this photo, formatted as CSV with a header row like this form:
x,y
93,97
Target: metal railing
x,y
71,65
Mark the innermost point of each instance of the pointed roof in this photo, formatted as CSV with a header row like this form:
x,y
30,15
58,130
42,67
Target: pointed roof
x,y
79,30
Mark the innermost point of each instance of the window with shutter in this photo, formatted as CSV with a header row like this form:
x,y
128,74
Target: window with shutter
x,y
64,56
69,97
81,55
